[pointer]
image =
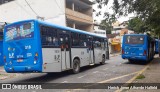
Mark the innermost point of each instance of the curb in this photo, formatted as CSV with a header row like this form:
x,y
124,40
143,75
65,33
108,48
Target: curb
x,y
3,78
114,55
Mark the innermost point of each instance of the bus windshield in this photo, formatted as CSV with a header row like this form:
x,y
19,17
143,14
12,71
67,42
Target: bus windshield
x,y
134,39
20,31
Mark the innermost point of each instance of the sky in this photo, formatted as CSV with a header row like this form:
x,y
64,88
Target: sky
x,y
108,9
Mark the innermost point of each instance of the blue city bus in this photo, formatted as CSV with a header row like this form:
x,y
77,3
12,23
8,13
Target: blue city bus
x,y
1,49
37,46
138,47
157,46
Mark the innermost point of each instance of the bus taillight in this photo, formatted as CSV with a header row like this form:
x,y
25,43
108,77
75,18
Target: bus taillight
x,y
35,58
122,51
4,58
145,52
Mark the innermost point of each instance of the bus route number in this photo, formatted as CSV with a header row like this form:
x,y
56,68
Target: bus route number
x,y
28,47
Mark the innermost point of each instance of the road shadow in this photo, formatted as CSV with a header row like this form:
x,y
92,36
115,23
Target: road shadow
x,y
48,77
156,60
138,62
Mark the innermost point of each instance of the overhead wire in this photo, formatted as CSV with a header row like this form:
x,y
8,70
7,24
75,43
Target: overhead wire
x,y
58,14
23,8
31,7
59,6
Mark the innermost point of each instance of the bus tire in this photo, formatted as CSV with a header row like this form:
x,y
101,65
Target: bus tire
x,y
130,60
76,66
103,60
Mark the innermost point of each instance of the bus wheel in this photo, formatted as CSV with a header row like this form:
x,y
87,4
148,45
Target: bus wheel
x,y
103,60
76,66
130,60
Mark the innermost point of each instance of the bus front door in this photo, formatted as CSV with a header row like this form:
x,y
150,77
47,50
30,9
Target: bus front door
x,y
65,50
107,50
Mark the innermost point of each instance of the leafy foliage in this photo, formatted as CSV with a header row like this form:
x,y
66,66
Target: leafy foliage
x,y
136,24
106,24
147,12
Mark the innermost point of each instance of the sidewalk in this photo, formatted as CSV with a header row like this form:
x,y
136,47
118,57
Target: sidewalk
x,y
150,75
115,54
4,75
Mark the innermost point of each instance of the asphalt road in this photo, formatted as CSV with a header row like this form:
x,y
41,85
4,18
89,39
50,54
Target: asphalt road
x,y
116,70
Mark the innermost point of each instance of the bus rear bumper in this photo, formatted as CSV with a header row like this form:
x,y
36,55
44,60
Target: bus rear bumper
x,y
23,69
134,57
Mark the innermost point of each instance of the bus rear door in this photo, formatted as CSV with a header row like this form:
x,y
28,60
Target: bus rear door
x,y
64,38
91,50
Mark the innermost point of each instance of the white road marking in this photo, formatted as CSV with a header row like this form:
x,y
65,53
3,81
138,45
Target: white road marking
x,y
108,80
106,74
105,69
64,82
132,79
82,76
96,72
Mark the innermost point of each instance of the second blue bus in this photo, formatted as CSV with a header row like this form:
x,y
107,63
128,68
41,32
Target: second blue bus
x,y
138,47
157,46
1,49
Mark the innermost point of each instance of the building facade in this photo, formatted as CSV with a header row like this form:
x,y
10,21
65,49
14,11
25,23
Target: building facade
x,y
79,14
99,31
72,13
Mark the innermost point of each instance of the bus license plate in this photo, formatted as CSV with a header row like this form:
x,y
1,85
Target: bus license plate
x,y
20,60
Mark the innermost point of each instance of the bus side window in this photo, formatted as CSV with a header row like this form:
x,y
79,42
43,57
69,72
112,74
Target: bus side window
x,y
94,42
55,41
83,40
49,36
102,44
44,35
97,43
75,39
1,36
61,42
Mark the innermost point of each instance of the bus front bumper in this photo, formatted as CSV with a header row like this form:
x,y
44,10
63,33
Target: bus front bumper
x,y
23,69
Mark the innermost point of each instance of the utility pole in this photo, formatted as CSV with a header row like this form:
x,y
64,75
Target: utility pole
x,y
40,18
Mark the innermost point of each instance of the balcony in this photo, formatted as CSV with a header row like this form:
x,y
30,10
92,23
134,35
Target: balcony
x,y
77,16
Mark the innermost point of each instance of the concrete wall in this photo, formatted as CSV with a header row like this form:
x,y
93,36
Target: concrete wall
x,y
85,27
88,11
99,31
52,10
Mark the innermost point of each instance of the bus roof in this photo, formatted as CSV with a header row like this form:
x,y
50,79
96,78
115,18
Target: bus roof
x,y
58,26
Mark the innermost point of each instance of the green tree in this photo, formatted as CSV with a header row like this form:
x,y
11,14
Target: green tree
x,y
146,10
137,25
106,24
